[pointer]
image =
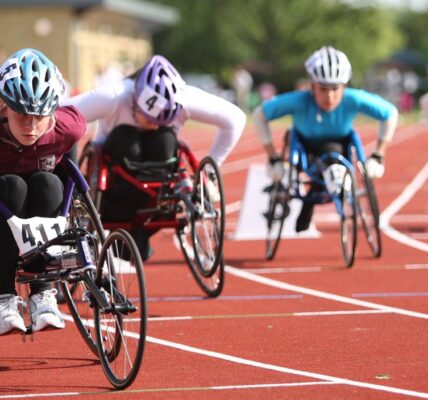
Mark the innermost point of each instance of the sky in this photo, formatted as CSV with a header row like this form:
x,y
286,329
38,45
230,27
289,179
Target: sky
x,y
416,5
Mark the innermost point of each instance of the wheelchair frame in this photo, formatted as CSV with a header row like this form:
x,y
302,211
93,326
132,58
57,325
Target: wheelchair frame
x,y
198,221
359,199
92,261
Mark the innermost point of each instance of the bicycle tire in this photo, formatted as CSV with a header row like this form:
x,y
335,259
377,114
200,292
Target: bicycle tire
x,y
83,212
121,329
275,217
208,225
348,216
369,211
212,286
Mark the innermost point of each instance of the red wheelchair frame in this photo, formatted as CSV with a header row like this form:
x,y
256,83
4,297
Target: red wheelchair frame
x,y
180,199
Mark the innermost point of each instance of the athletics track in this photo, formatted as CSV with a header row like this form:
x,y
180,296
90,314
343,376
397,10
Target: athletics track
x,y
299,327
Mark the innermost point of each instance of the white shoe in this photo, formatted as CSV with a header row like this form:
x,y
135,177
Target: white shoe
x,y
10,319
44,311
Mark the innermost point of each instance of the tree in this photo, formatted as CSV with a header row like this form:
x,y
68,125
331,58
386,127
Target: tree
x,y
272,38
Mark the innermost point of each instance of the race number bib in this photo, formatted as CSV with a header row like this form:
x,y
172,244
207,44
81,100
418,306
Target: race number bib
x,y
28,233
151,102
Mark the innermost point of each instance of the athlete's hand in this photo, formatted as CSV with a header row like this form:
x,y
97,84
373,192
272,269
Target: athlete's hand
x,y
375,166
275,168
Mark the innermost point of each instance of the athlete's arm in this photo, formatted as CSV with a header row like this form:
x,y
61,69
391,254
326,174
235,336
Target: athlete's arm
x,y
207,108
98,103
385,112
261,126
386,132
288,103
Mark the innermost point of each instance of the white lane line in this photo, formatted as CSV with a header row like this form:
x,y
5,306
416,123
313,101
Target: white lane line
x,y
416,266
266,315
242,164
324,295
277,368
233,207
36,395
406,195
171,389
271,367
271,385
282,270
421,218
402,134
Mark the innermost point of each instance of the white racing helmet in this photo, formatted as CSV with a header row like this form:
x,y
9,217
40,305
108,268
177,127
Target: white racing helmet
x,y
329,66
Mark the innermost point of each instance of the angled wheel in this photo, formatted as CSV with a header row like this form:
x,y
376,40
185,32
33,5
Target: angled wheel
x,y
212,285
121,327
207,224
90,163
368,209
348,212
75,292
276,214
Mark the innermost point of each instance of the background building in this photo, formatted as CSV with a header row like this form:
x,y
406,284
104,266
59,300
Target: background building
x,y
87,39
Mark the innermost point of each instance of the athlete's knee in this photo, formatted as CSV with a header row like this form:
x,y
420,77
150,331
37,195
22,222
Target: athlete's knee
x,y
13,192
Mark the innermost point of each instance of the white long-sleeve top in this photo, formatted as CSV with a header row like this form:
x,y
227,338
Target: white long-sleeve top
x,y
112,106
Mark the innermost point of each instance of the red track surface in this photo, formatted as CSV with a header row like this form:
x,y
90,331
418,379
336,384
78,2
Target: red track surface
x,y
299,327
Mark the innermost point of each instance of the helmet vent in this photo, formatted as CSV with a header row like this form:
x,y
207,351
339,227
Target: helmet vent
x,y
24,94
44,95
34,66
149,76
35,84
7,90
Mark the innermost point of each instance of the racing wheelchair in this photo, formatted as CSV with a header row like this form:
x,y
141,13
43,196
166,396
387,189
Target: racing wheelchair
x,y
184,195
101,277
330,177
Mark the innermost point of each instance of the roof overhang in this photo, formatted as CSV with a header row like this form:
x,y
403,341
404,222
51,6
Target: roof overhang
x,y
145,10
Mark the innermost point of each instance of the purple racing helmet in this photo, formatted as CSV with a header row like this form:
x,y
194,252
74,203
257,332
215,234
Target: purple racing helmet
x,y
159,91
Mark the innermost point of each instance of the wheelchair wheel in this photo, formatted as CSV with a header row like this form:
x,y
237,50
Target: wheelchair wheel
x,y
90,165
368,210
75,292
276,214
212,285
208,224
121,327
348,219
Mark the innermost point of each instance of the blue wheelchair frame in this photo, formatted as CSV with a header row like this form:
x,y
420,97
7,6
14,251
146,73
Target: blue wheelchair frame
x,y
299,160
306,182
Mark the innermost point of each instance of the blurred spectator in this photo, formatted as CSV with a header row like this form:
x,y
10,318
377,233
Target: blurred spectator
x,y
423,104
266,90
405,103
302,84
242,83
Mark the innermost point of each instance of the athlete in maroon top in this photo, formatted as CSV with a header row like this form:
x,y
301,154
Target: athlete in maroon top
x,y
35,133
44,154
